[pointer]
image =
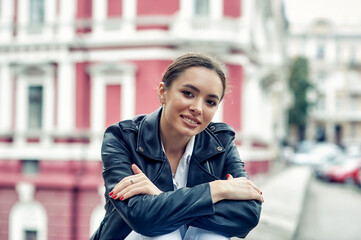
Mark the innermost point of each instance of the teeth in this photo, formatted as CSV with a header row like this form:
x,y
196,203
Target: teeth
x,y
190,120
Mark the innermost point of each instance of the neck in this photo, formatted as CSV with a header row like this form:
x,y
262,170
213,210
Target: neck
x,y
173,145
173,142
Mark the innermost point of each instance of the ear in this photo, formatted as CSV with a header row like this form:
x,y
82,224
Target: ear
x,y
161,93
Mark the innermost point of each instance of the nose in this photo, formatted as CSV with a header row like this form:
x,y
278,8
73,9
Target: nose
x,y
196,106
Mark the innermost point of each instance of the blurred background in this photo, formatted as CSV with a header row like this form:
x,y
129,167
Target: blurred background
x,y
70,68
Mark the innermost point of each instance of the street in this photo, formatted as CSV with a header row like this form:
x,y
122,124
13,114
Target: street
x,y
332,211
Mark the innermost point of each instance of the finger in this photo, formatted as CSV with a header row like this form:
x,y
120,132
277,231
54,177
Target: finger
x,y
124,183
229,177
126,192
133,190
136,169
258,196
255,187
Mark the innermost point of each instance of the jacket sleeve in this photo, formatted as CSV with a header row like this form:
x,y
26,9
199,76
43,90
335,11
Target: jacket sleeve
x,y
150,215
232,218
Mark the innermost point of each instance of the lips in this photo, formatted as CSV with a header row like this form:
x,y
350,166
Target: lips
x,y
191,120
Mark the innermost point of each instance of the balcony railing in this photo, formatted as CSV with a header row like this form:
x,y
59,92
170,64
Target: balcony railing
x,y
113,29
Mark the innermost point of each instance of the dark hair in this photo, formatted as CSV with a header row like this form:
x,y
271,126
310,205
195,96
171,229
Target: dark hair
x,y
189,60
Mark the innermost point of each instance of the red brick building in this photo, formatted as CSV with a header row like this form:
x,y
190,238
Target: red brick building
x,y
69,69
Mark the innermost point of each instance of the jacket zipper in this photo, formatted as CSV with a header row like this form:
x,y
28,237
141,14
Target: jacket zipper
x,y
209,169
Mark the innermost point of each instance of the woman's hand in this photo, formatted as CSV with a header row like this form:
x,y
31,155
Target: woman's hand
x,y
235,189
133,185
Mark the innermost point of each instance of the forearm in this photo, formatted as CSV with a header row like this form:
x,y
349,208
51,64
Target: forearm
x,y
218,191
163,213
231,218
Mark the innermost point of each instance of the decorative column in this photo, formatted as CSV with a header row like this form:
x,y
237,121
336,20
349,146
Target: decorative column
x,y
22,20
49,104
129,15
21,110
6,20
49,20
66,96
6,103
97,109
66,20
128,92
99,18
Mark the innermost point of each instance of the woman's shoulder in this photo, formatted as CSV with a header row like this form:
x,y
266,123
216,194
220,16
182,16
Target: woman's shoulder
x,y
128,124
220,127
222,131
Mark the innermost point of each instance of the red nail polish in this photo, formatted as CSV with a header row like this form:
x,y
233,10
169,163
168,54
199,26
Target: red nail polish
x,y
261,193
121,198
228,175
114,197
111,193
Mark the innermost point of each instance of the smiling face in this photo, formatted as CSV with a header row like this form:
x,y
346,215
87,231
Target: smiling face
x,y
190,102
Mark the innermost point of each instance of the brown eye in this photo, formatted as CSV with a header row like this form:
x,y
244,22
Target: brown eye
x,y
211,103
187,93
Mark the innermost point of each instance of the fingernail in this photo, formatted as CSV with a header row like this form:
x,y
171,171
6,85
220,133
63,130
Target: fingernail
x,y
121,198
111,193
261,193
228,175
114,197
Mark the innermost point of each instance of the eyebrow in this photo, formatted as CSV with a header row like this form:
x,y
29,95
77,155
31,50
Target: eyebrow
x,y
197,90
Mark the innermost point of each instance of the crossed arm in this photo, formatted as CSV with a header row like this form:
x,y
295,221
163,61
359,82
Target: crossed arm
x,y
231,189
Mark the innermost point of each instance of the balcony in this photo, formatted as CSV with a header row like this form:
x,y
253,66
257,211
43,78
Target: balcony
x,y
167,30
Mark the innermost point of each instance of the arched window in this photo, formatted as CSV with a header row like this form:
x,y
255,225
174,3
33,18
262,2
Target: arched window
x,y
28,219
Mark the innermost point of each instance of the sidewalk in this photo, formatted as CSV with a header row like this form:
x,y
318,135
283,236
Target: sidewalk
x,y
284,192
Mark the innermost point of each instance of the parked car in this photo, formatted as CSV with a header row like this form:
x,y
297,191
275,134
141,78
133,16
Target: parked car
x,y
320,170
317,155
344,172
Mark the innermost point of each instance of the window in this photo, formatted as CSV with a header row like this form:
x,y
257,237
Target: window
x,y
29,167
354,80
35,110
36,12
320,80
353,54
353,130
27,218
201,8
320,52
320,106
353,104
30,235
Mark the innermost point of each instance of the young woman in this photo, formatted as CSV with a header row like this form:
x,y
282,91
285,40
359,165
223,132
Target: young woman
x,y
173,174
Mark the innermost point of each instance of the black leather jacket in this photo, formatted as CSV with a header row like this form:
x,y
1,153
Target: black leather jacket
x,y
214,155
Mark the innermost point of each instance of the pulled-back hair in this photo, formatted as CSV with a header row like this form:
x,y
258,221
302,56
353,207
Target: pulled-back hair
x,y
189,60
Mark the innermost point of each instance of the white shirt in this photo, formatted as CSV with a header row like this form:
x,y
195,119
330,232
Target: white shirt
x,y
181,175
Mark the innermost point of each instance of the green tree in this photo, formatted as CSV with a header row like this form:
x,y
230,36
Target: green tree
x,y
299,85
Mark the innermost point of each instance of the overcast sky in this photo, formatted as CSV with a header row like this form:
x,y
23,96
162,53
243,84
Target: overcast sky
x,y
340,11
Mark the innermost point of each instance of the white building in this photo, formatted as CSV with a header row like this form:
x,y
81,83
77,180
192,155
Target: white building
x,y
334,54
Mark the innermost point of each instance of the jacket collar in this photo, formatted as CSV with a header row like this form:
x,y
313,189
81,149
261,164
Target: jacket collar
x,y
206,143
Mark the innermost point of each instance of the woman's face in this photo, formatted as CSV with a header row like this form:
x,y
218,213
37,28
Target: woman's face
x,y
191,101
